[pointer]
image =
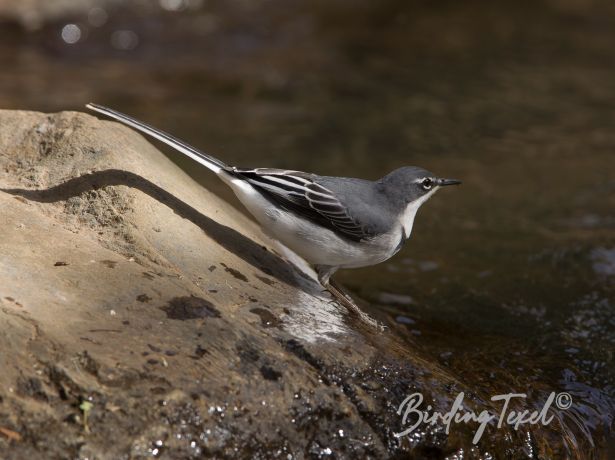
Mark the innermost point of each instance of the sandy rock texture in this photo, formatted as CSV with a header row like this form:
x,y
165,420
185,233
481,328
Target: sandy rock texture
x,y
141,316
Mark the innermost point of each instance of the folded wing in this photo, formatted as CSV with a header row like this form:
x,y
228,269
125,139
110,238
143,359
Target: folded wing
x,y
299,192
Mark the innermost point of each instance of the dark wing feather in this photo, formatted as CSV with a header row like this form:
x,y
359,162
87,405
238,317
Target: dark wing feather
x,y
299,193
325,203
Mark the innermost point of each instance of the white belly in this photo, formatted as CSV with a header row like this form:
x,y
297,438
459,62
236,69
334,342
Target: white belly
x,y
317,245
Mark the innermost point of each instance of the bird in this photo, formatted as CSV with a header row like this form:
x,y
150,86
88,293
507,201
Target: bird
x,y
331,222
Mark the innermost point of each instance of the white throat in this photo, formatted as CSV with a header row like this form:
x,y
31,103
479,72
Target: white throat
x,y
407,217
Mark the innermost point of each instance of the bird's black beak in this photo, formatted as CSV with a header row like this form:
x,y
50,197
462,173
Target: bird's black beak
x,y
442,182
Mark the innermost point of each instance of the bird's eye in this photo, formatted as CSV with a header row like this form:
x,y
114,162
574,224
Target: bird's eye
x,y
427,183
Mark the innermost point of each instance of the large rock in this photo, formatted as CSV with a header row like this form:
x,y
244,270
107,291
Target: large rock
x,y
126,286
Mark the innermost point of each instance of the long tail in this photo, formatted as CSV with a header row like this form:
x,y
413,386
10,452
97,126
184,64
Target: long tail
x,y
206,160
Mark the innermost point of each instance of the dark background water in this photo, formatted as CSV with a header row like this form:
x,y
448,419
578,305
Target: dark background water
x,y
509,280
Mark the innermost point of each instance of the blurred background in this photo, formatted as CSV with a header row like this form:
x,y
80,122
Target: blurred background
x,y
509,280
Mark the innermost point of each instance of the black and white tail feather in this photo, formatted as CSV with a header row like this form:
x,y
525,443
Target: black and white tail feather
x,y
206,160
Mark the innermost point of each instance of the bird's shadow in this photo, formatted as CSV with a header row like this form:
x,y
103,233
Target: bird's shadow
x,y
230,239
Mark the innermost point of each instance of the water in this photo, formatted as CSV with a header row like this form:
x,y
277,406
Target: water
x,y
509,280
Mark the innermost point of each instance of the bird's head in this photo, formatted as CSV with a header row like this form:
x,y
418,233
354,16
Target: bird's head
x,y
411,184
408,188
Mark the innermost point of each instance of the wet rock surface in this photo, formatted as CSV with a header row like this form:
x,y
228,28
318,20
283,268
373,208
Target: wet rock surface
x,y
141,316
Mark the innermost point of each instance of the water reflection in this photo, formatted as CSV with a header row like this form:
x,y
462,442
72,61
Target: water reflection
x,y
124,40
604,261
97,17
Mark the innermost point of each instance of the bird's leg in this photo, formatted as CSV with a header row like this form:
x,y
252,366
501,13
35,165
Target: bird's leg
x,y
324,273
341,291
324,276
